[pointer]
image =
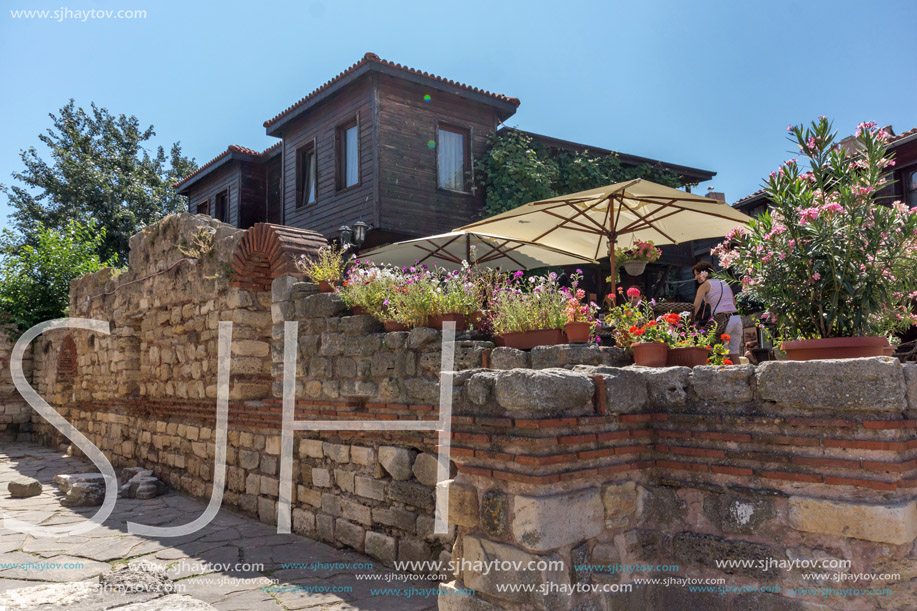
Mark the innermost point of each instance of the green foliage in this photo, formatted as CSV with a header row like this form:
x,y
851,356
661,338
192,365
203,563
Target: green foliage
x,y
35,280
516,170
328,266
98,171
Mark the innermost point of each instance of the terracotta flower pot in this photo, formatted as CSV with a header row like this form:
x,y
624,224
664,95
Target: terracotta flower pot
x,y
687,357
477,318
577,332
325,286
650,354
359,311
527,340
835,348
391,325
459,320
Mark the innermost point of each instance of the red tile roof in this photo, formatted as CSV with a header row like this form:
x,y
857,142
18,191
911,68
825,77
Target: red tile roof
x,y
902,136
232,148
748,197
373,58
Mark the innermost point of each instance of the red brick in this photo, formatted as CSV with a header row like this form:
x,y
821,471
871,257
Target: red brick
x,y
698,452
612,469
376,405
462,420
643,464
908,483
598,397
475,471
660,448
636,418
669,433
724,470
862,483
632,449
890,467
556,422
471,437
724,436
817,461
528,479
589,454
420,408
502,422
864,444
788,441
826,422
613,435
793,477
642,433
684,466
493,455
572,439
660,417
539,461
485,359
889,424
526,424
456,451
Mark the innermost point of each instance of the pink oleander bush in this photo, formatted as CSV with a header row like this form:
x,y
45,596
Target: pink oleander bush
x,y
830,258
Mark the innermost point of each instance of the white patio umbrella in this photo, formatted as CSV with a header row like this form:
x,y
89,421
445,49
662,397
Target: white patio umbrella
x,y
448,250
591,223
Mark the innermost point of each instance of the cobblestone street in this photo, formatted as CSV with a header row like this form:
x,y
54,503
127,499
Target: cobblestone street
x,y
230,540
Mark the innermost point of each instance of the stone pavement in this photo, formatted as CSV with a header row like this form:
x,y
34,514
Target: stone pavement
x,y
230,540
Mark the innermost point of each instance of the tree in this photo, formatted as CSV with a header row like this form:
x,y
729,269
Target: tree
x,y
515,170
35,280
98,171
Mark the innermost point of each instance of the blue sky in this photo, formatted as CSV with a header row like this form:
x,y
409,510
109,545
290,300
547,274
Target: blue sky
x,y
706,84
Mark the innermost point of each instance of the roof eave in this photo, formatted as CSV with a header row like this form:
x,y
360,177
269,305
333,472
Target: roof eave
x,y
183,187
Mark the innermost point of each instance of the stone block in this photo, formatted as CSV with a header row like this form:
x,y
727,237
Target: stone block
x,y
483,551
344,480
427,524
619,500
269,485
493,512
356,512
851,384
413,550
412,494
319,367
398,462
357,388
303,522
320,305
625,390
545,390
455,596
910,386
735,513
667,386
480,387
21,487
253,483
269,464
303,289
360,325
362,345
419,337
309,496
424,391
733,384
704,550
324,527
381,547
332,344
250,347
509,358
363,456
569,355
336,451
463,505
369,487
398,518
267,510
542,524
425,469
311,448
282,288
331,504
395,341
887,523
321,478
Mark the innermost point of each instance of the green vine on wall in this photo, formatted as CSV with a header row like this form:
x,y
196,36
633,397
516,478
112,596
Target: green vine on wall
x,y
515,170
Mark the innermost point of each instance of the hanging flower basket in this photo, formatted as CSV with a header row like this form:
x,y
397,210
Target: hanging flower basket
x,y
650,354
577,332
635,268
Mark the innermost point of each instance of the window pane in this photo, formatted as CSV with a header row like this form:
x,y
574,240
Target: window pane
x,y
912,190
351,157
451,161
311,179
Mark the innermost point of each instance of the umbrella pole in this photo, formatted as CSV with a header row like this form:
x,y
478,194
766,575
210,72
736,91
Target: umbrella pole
x,y
614,275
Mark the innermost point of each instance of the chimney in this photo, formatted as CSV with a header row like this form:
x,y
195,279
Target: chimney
x,y
717,195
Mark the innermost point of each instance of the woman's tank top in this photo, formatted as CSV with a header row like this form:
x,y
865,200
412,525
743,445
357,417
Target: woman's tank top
x,y
726,303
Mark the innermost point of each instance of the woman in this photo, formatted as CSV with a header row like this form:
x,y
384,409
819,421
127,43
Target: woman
x,y
718,296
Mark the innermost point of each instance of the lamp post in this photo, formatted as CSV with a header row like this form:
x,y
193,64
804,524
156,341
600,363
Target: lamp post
x,y
352,237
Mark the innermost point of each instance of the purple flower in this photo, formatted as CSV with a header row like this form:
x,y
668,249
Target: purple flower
x,y
518,274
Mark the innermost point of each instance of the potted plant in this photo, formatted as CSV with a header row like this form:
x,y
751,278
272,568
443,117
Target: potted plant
x,y
365,287
833,263
635,258
326,268
457,298
622,318
581,318
691,346
652,340
529,313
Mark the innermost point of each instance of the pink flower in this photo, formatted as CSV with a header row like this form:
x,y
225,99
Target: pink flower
x,y
816,276
807,214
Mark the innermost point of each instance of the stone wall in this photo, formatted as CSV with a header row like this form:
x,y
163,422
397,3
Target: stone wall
x,y
597,466
15,414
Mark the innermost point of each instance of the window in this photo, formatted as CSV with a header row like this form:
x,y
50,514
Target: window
x,y
306,177
912,189
203,207
221,206
348,155
451,158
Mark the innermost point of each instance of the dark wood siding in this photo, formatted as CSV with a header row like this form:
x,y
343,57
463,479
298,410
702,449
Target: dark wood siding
x,y
332,207
227,177
252,189
411,202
